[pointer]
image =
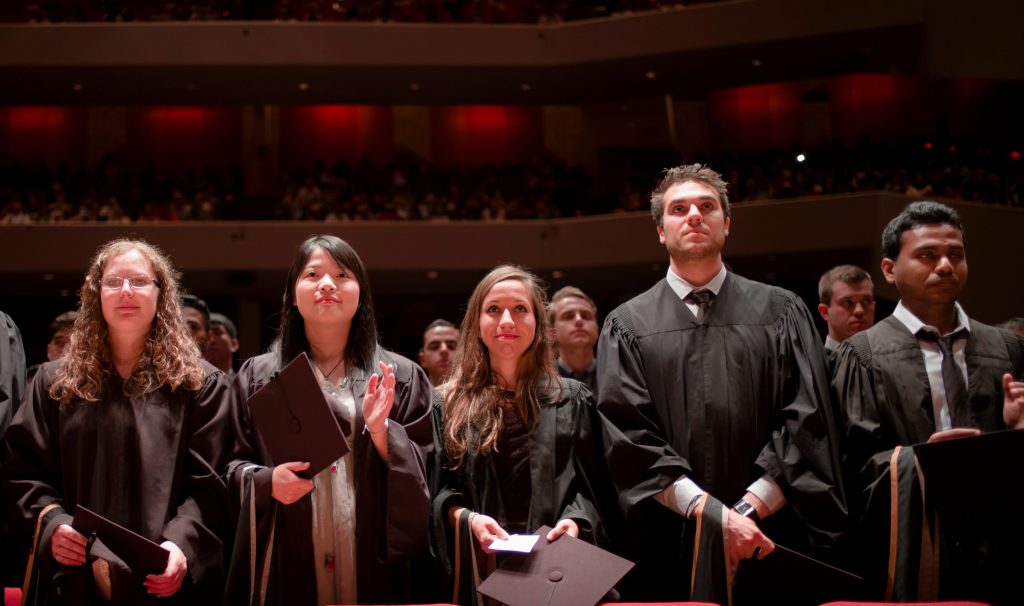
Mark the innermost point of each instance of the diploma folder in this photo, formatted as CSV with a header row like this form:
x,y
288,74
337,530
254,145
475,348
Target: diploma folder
x,y
139,553
564,572
975,481
292,416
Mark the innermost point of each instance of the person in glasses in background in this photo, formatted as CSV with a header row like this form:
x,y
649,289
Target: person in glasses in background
x,y
119,424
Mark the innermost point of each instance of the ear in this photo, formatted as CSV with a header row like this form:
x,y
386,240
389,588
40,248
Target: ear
x,y
728,221
661,234
422,357
888,265
823,311
234,345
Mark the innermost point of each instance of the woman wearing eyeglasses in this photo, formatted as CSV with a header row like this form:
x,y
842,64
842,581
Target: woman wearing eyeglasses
x,y
118,425
347,535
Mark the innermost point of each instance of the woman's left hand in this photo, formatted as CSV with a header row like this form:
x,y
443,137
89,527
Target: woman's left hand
x,y
379,398
167,584
565,526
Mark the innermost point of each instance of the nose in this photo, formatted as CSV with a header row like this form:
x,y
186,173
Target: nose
x,y
327,283
693,215
944,266
126,289
506,319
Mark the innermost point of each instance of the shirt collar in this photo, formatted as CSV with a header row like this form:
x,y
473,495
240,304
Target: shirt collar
x,y
565,367
682,288
914,324
831,344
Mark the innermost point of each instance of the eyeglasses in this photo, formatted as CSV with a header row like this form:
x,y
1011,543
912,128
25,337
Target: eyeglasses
x,y
135,282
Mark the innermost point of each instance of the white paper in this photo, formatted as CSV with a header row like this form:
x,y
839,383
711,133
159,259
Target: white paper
x,y
521,543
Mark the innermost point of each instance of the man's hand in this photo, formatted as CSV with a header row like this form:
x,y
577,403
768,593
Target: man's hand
x,y
1013,402
743,538
167,584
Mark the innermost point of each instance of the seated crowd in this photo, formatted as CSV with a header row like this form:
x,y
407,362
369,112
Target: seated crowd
x,y
707,390
412,189
400,11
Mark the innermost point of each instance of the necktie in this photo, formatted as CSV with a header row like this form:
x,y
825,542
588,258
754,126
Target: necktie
x,y
702,299
952,379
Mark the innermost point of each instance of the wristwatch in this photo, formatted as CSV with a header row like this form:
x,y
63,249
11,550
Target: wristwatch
x,y
746,510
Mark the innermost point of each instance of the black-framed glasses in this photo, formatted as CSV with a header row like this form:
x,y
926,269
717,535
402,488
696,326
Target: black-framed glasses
x,y
135,282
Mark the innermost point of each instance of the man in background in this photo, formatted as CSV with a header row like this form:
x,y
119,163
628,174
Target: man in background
x,y
847,306
440,340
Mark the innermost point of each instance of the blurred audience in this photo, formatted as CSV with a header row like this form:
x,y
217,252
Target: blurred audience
x,y
413,189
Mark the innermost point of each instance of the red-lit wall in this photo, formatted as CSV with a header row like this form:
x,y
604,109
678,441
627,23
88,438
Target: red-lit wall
x,y
54,135
755,117
485,134
881,106
333,133
174,138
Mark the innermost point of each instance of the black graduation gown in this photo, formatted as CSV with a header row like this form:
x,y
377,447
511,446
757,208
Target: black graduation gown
x,y
564,468
12,388
882,388
137,460
392,501
724,402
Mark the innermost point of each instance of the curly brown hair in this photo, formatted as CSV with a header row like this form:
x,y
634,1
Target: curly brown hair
x,y
170,357
472,409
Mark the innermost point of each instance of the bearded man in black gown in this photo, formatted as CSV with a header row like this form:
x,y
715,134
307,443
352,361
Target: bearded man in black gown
x,y
714,389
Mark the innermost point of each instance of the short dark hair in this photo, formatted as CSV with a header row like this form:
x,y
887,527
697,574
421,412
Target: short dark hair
x,y
567,292
438,323
65,320
362,338
229,326
681,174
850,274
196,303
914,215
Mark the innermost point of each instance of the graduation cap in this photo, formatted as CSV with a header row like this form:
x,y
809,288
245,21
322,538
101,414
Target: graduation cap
x,y
139,553
563,572
292,416
975,481
797,577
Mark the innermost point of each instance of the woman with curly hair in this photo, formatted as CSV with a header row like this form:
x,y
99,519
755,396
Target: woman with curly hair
x,y
119,425
348,535
513,441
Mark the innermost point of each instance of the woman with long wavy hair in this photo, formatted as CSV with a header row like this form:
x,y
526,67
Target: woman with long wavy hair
x,y
347,535
121,425
511,436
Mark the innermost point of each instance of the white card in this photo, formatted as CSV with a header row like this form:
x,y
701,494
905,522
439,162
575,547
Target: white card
x,y
521,543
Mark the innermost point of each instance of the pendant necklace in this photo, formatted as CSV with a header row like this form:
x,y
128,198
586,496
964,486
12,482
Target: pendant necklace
x,y
328,386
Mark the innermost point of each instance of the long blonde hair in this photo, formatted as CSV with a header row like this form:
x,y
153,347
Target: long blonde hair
x,y
170,356
473,419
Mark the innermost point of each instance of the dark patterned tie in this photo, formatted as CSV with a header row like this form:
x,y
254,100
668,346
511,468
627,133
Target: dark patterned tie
x,y
702,299
952,379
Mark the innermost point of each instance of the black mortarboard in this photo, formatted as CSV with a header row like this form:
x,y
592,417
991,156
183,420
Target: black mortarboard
x,y
139,553
296,423
564,572
974,481
786,576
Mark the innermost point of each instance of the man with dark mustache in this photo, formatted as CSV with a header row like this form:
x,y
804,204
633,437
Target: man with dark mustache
x,y
927,373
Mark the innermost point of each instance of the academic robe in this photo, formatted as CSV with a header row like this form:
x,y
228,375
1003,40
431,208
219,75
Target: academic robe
x,y
392,500
12,371
882,387
564,469
137,460
723,402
